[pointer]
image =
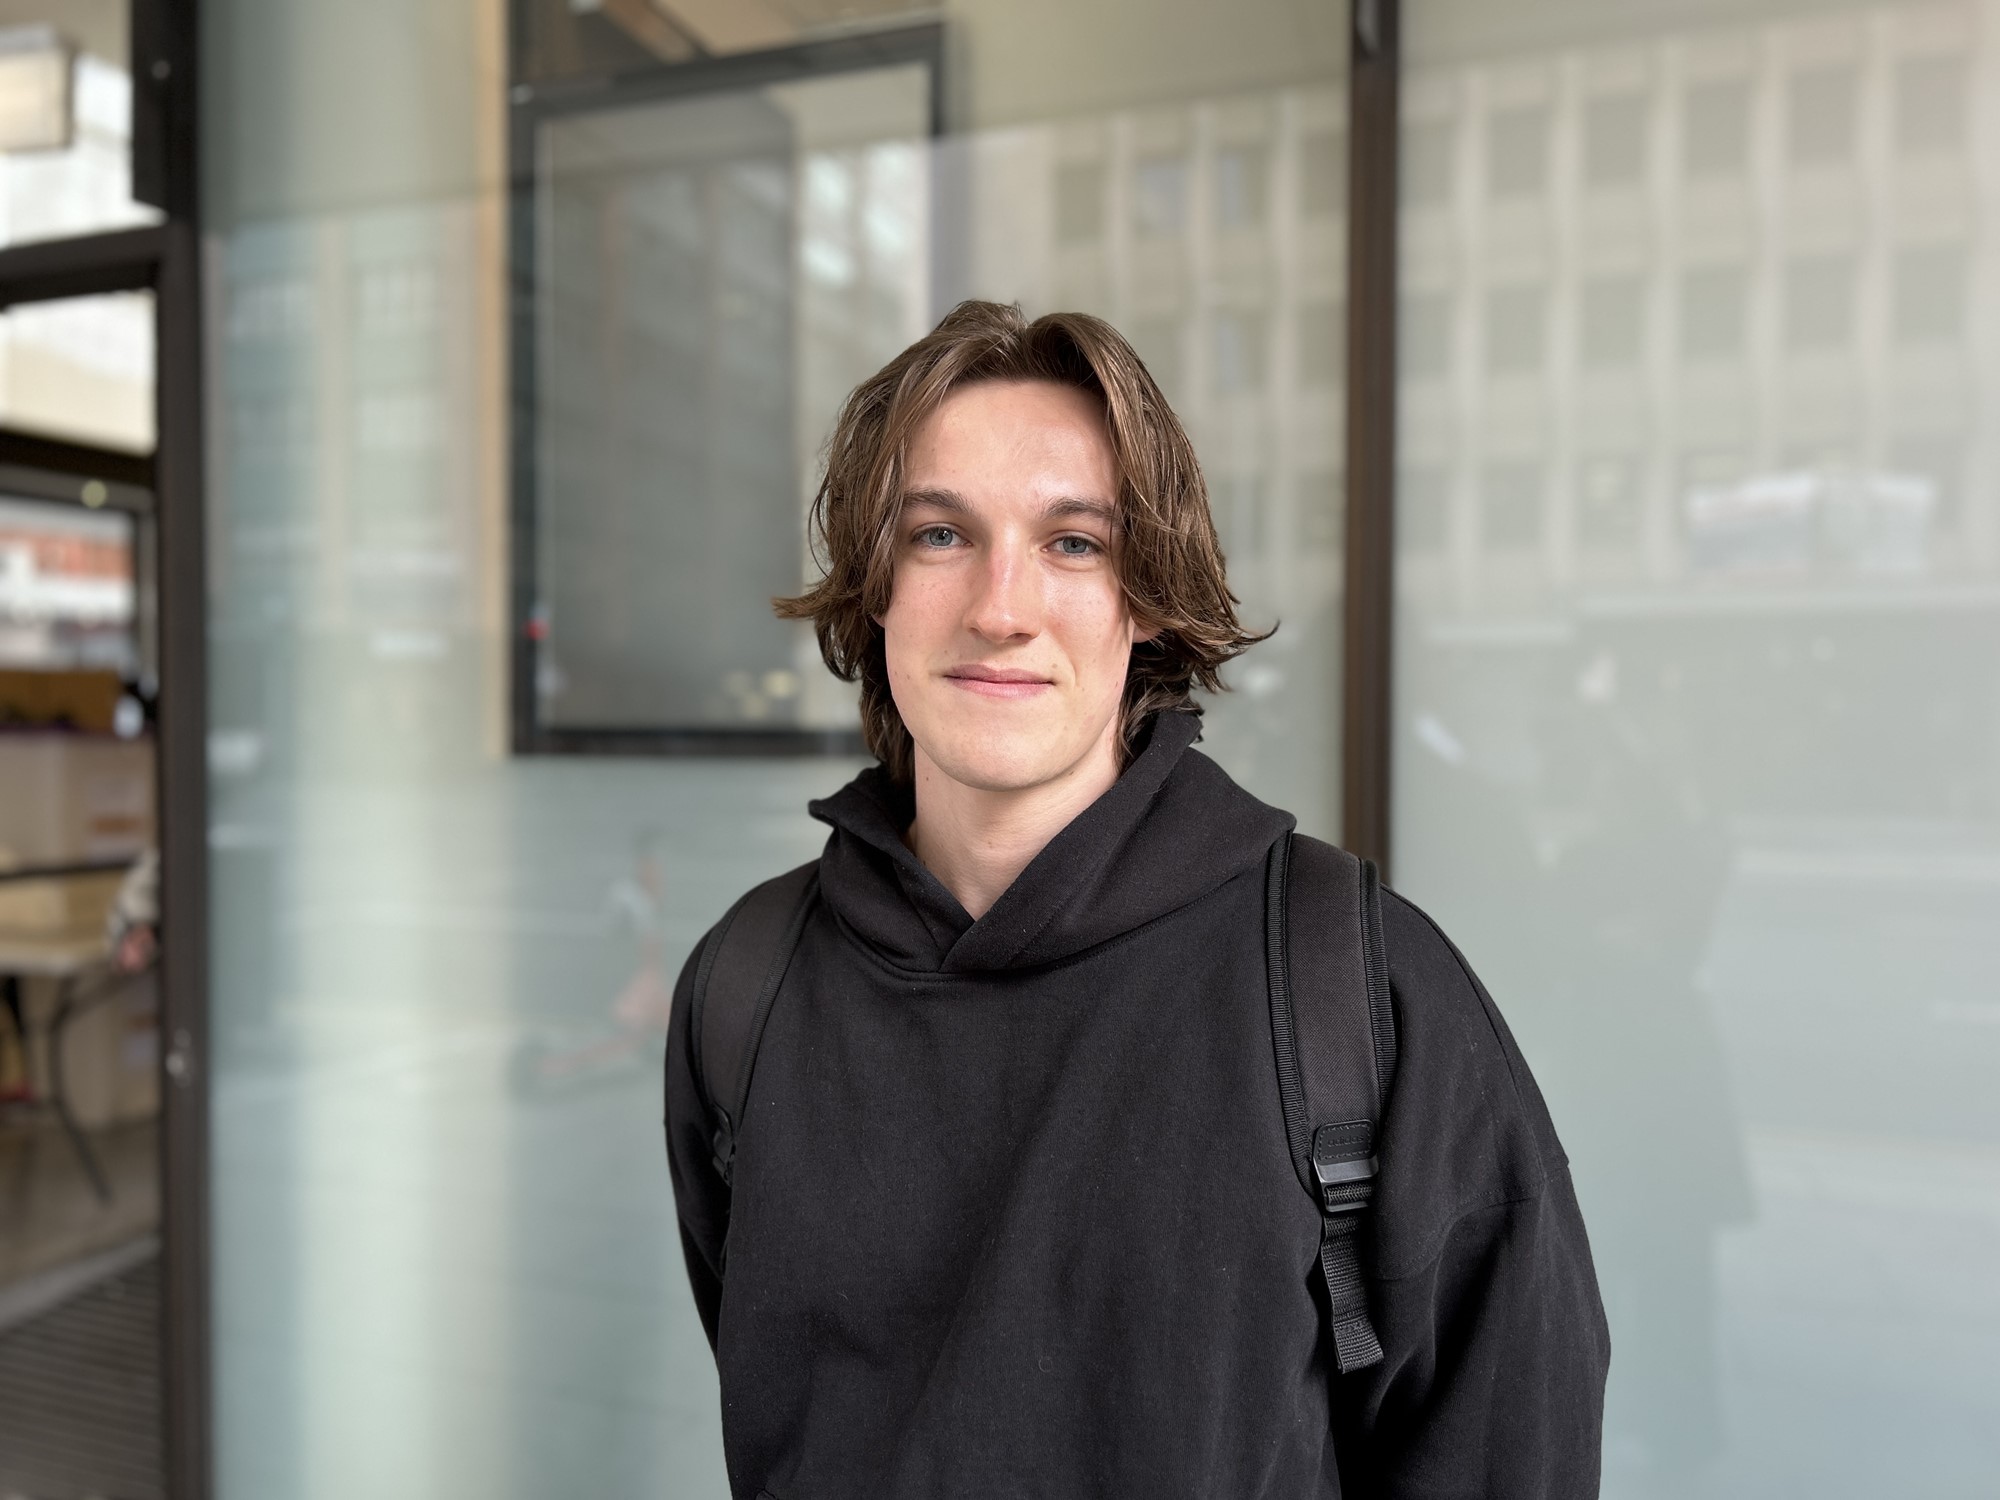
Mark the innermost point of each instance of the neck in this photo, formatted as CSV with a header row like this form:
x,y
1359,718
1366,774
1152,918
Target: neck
x,y
977,840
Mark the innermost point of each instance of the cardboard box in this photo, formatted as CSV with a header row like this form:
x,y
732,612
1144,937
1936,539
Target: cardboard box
x,y
83,700
70,903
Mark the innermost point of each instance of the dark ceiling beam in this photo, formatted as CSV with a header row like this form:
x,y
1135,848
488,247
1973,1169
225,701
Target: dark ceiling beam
x,y
644,22
31,450
122,260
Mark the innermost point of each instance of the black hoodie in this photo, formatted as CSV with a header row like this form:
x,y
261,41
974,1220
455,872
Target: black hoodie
x,y
1013,1211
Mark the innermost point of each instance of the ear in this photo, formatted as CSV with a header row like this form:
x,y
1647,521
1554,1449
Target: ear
x,y
1144,632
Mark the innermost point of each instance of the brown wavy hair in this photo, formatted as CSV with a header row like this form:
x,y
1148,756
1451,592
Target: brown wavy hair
x,y
1169,562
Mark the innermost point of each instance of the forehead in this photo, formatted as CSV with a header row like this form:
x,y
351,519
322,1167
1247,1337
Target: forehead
x,y
1013,435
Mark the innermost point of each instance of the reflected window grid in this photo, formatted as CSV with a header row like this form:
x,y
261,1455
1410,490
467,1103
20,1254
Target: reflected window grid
x,y
1512,493
1820,291
1429,157
1803,301
1159,197
1930,115
1080,202
1610,501
1323,175
1929,301
1614,322
1322,344
1241,342
1820,108
1516,329
1615,140
1517,155
1716,124
1241,176
1158,341
1426,323
1714,312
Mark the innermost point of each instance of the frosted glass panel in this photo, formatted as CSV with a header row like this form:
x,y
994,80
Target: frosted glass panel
x,y
445,1255
1212,232
1698,724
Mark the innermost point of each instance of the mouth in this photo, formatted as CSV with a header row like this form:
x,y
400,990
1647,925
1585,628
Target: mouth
x,y
998,682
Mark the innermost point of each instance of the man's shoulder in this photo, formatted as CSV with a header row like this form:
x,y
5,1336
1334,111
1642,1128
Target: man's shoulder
x,y
1467,1128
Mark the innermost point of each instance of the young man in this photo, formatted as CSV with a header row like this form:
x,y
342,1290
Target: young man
x,y
1011,1209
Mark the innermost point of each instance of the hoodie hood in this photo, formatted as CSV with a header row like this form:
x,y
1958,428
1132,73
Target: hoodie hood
x,y
1171,829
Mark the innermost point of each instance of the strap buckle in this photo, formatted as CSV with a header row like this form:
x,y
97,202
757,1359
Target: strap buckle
x,y
723,1145
1345,1164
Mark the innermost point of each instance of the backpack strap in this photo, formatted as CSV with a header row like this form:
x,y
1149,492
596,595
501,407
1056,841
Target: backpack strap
x,y
1334,1036
735,982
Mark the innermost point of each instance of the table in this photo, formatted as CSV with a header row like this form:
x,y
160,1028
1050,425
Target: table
x,y
68,958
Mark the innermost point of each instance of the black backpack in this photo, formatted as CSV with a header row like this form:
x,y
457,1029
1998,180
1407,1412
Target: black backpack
x,y
1332,1033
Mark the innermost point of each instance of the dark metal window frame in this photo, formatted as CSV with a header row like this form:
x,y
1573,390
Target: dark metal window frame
x,y
166,260
531,106
1374,123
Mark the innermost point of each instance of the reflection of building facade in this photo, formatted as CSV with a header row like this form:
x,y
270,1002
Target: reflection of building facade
x,y
1639,274
1697,557
346,356
1214,235
1634,274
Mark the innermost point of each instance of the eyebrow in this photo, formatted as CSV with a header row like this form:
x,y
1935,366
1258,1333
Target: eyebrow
x,y
1068,505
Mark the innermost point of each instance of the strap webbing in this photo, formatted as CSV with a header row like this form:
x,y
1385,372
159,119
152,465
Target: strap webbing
x,y
1335,1040
1355,1346
735,984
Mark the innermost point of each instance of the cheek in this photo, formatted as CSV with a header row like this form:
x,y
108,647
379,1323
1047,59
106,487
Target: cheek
x,y
1099,632
910,623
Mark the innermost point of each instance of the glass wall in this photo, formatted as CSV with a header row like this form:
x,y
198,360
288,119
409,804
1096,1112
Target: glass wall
x,y
445,1255
81,369
66,120
1698,720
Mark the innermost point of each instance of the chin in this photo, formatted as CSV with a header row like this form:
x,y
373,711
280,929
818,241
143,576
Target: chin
x,y
995,759
994,763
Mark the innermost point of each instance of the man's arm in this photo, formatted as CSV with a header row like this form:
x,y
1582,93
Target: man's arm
x,y
1481,1281
701,1198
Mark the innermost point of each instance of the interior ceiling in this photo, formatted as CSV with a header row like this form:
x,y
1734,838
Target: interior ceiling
x,y
97,26
725,26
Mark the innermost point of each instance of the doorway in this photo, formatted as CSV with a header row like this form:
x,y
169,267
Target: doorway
x,y
102,870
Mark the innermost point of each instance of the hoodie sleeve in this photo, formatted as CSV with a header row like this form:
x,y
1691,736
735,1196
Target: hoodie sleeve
x,y
1485,1299
701,1198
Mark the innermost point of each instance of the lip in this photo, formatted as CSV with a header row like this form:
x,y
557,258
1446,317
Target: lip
x,y
997,682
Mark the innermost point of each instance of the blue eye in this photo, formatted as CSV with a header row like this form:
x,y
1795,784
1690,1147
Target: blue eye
x,y
1075,546
936,536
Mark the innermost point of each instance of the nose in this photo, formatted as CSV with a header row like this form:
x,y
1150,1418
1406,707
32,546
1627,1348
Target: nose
x,y
1008,604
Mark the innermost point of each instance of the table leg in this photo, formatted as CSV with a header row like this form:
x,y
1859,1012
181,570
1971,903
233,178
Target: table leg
x,y
59,1089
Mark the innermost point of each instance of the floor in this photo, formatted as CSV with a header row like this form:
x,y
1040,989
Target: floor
x,y
49,1215
80,1412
